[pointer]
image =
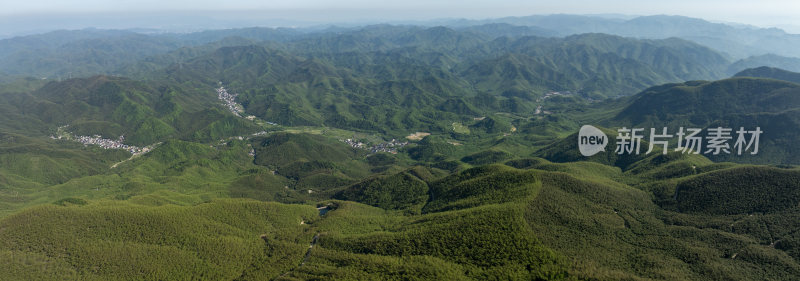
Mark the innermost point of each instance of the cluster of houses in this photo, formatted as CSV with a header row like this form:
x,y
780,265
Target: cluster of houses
x,y
354,143
237,109
547,96
103,143
111,144
230,101
553,94
389,147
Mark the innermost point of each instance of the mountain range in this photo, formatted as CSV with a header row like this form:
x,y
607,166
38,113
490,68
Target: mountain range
x,y
397,152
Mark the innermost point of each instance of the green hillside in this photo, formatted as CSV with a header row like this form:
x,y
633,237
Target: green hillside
x,y
740,190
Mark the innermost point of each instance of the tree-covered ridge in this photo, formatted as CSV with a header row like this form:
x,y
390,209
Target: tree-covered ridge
x,y
87,52
770,72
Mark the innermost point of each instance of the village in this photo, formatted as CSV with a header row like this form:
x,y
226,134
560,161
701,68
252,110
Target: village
x,y
539,109
230,101
103,143
388,147
111,144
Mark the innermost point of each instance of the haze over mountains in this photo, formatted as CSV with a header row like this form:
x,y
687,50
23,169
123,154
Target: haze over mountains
x,y
441,152
104,51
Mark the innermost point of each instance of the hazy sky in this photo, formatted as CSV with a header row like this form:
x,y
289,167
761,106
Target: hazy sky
x,y
781,13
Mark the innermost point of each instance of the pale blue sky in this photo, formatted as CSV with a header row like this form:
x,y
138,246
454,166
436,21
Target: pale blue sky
x,y
781,13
